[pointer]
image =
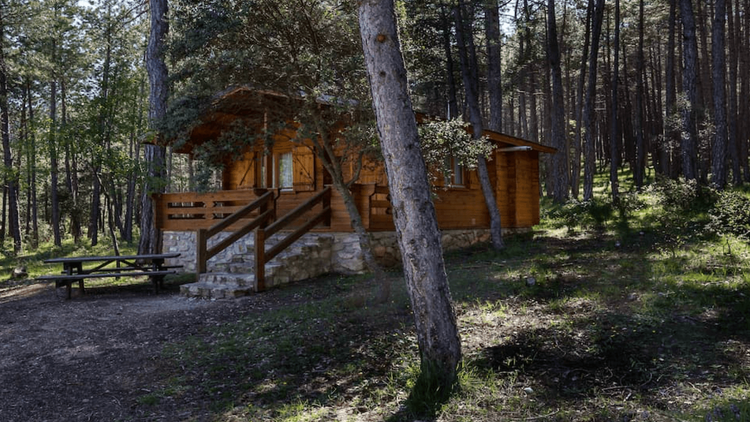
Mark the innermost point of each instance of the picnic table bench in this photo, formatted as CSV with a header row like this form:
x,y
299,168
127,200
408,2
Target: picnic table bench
x,y
151,265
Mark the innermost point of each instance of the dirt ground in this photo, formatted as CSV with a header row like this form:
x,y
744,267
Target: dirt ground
x,y
90,358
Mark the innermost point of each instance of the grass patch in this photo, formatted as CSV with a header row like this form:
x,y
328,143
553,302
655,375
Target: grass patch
x,y
620,320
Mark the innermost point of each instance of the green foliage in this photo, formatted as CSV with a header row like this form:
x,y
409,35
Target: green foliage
x,y
731,214
441,139
676,196
592,214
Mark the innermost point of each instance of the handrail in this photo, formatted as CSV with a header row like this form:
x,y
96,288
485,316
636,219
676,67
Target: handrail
x,y
203,253
226,222
262,256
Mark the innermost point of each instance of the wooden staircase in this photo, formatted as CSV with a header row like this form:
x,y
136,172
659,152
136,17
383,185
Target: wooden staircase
x,y
272,237
237,278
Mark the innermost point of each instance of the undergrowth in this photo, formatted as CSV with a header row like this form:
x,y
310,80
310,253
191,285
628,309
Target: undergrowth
x,y
635,310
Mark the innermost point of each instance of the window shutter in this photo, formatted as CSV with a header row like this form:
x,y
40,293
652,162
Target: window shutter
x,y
304,169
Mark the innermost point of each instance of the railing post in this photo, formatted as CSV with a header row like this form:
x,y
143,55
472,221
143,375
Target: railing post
x,y
260,259
327,204
200,252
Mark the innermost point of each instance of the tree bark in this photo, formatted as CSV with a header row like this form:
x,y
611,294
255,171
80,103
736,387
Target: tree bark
x,y
588,111
414,212
452,92
689,82
719,150
11,176
614,136
468,61
670,133
494,66
154,153
576,167
733,117
640,141
559,160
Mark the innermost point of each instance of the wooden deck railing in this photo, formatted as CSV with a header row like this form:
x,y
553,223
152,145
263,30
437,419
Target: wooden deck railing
x,y
189,211
261,234
379,206
267,211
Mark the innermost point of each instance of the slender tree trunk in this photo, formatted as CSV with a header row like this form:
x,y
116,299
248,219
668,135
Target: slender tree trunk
x,y
588,111
494,59
735,37
11,177
465,42
704,60
640,142
32,164
743,130
450,75
576,168
54,197
719,152
671,136
614,134
689,82
135,153
414,212
154,153
531,80
559,162
324,148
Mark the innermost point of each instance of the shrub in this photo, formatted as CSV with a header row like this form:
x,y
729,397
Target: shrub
x,y
676,195
730,214
586,214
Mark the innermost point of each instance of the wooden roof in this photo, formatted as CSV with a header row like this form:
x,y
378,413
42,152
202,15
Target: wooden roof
x,y
253,106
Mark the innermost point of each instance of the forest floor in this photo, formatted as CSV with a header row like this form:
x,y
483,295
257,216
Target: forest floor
x,y
573,327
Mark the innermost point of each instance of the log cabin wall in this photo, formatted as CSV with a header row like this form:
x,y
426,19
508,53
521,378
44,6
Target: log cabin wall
x,y
518,188
527,189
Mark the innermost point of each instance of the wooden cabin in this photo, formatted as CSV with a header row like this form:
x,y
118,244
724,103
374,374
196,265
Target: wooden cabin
x,y
282,189
294,172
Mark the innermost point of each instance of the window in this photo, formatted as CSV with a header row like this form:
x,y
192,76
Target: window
x,y
286,175
454,175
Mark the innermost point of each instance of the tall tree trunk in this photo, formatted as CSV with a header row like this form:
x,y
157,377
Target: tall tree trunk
x,y
743,130
559,162
640,141
54,197
671,135
135,153
414,212
32,163
719,151
465,41
494,65
704,60
532,83
154,156
689,85
450,75
588,111
576,168
614,134
735,38
11,177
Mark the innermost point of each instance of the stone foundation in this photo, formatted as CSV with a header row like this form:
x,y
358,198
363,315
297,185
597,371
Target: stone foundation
x,y
344,256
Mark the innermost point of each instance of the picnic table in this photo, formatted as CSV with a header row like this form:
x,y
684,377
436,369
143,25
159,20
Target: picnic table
x,y
151,265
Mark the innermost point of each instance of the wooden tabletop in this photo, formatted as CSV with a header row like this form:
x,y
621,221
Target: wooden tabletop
x,y
76,259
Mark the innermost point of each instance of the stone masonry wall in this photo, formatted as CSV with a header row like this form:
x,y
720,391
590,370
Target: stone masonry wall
x,y
345,256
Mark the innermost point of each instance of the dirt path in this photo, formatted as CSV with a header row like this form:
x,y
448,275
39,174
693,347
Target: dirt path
x,y
92,357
